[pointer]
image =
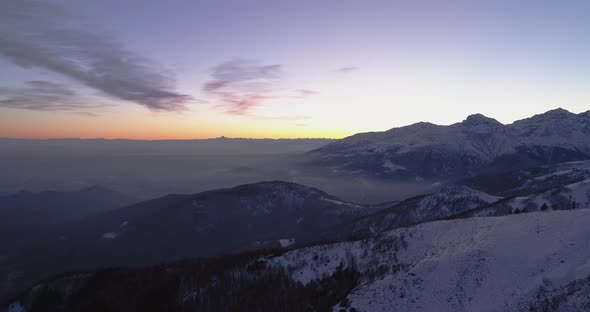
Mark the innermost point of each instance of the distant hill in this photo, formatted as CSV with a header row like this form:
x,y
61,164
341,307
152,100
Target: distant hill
x,y
117,147
26,210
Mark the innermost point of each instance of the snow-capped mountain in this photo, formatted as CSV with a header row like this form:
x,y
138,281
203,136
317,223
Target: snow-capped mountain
x,y
478,144
510,263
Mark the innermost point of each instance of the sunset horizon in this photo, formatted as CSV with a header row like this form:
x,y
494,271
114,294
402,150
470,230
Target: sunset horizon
x,y
290,70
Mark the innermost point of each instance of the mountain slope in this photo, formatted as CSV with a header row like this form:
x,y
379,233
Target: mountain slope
x,y
478,264
215,222
478,144
531,180
562,186
28,211
566,197
529,262
28,214
446,202
246,217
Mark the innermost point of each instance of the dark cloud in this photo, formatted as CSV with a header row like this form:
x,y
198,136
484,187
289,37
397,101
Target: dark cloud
x,y
241,85
44,96
345,70
38,34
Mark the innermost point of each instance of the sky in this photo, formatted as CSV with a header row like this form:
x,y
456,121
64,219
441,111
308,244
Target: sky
x,y
179,69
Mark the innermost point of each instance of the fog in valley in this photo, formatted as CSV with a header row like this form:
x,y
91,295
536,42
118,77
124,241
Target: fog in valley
x,y
150,169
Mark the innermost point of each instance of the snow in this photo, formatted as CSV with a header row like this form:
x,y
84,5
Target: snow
x,y
553,174
286,242
110,235
477,264
563,197
337,202
341,203
392,166
451,200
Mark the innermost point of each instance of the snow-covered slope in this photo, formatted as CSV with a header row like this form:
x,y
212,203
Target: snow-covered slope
x,y
446,202
505,263
540,179
425,150
571,196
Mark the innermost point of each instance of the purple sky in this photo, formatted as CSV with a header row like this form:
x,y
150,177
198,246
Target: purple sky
x,y
283,68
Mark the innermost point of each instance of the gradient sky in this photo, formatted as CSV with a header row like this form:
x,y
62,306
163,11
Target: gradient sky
x,y
199,69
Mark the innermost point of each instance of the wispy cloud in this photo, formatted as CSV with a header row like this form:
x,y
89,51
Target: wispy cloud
x,y
241,85
284,117
87,114
303,93
43,95
235,73
39,34
348,69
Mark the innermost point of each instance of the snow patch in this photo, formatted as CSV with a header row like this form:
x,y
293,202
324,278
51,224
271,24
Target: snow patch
x,y
286,242
393,167
110,235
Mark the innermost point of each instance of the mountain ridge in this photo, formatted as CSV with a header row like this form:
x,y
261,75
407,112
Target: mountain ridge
x,y
478,143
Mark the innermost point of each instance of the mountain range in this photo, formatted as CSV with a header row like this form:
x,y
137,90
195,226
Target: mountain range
x,y
477,145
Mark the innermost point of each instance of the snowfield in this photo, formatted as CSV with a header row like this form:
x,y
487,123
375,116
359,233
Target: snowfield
x,y
503,263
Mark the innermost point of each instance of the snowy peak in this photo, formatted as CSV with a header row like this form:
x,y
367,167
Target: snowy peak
x,y
479,120
556,127
557,113
552,117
